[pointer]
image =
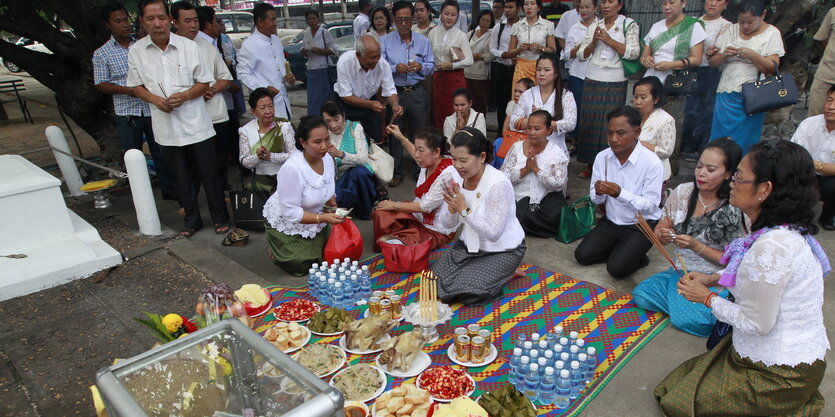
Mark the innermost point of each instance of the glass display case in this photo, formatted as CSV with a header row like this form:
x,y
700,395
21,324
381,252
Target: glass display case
x,y
224,370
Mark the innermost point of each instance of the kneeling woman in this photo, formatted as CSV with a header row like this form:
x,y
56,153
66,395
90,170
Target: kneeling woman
x,y
492,243
699,220
295,225
355,183
266,141
417,221
538,169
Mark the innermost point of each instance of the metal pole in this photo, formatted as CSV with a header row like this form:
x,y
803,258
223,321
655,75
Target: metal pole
x,y
143,195
69,170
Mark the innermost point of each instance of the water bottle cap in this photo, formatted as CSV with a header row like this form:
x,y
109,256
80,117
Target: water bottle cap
x,y
526,359
564,356
581,342
557,348
582,357
347,259
315,266
575,365
592,350
338,285
331,281
534,367
533,353
549,371
311,271
564,373
324,263
543,344
574,348
535,336
573,335
541,362
523,336
559,364
557,329
335,261
355,263
528,345
549,354
517,351
365,267
563,340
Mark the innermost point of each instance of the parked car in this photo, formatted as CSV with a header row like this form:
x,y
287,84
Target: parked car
x,y
29,44
239,25
298,62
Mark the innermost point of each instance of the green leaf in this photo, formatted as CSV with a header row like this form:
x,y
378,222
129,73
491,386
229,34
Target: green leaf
x,y
154,324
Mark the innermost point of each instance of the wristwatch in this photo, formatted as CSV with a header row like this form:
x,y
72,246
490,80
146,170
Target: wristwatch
x,y
465,212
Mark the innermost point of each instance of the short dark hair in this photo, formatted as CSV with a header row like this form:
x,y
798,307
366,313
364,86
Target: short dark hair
x,y
363,4
180,5
144,3
205,14
462,92
474,24
306,125
434,139
831,90
451,3
475,142
633,117
385,12
656,88
519,3
259,12
527,82
402,4
755,7
794,193
427,5
258,94
499,1
545,115
111,6
312,12
332,108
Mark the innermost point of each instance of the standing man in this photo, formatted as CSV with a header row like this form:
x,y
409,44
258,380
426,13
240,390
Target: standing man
x,y
261,60
165,70
825,75
188,23
409,54
132,115
501,69
554,11
318,48
566,22
362,85
498,11
362,22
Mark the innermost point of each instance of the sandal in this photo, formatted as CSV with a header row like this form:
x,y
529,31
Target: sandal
x,y
585,173
221,228
236,237
187,232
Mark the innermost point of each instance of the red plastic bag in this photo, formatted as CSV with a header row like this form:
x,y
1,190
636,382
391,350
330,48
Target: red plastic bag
x,y
405,257
345,242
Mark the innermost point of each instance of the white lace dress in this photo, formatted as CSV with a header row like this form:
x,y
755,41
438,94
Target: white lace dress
x,y
660,130
531,100
433,200
299,190
552,176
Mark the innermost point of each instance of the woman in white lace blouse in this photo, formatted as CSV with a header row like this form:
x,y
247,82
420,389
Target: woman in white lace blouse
x,y
538,170
658,129
265,142
774,361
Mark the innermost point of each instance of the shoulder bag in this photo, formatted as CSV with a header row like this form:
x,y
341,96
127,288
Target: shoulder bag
x,y
381,162
683,82
770,93
632,66
576,220
248,205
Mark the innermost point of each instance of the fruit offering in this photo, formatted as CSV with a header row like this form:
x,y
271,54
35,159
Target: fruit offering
x,y
329,321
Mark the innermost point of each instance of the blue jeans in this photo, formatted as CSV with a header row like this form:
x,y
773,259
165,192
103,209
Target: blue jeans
x,y
133,130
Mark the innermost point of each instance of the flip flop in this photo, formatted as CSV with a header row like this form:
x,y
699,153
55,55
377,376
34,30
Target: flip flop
x,y
236,237
187,232
221,228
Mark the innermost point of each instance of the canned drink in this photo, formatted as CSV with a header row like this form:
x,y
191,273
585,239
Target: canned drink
x,y
379,294
472,330
477,349
460,331
487,335
390,293
462,348
385,306
374,306
395,307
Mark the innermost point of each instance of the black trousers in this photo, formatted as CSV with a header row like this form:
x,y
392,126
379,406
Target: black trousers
x,y
544,220
369,119
623,248
416,105
223,146
201,156
501,76
826,187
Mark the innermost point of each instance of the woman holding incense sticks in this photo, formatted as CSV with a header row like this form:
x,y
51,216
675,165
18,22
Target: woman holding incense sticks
x,y
699,221
492,242
774,361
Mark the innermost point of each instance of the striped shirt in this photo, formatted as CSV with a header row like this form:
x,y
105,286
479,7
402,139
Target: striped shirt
x,y
110,65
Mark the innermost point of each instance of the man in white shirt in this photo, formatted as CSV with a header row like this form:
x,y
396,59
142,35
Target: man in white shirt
x,y
501,69
165,70
566,22
627,178
362,22
261,60
362,85
817,135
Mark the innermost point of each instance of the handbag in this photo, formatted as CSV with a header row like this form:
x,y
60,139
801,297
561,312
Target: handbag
x,y
632,66
508,139
770,93
345,241
680,83
381,162
720,330
248,205
402,257
576,220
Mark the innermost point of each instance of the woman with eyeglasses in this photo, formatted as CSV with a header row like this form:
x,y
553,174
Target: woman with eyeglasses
x,y
774,361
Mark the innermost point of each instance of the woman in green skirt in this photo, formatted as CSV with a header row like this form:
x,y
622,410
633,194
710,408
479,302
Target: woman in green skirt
x,y
296,227
774,361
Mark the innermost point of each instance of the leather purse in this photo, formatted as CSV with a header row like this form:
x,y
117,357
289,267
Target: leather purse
x,y
683,82
402,257
769,93
248,206
576,220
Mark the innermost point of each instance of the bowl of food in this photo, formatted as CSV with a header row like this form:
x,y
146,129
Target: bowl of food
x,y
355,409
361,382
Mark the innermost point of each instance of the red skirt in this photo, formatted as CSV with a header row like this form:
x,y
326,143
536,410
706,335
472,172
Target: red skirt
x,y
444,83
406,227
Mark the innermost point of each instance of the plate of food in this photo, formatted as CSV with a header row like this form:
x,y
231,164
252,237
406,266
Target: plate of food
x,y
374,348
507,400
364,336
322,360
361,382
330,322
445,383
256,300
406,400
491,356
297,310
402,356
288,337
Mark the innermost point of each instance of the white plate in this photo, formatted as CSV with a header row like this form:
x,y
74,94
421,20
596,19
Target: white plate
x,y
421,362
367,312
304,341
336,367
275,312
494,353
441,400
344,346
326,334
377,393
374,408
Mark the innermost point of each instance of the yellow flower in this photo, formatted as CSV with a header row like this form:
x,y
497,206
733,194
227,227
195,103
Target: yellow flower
x,y
227,367
172,322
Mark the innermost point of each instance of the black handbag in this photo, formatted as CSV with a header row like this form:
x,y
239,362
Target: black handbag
x,y
720,330
770,93
248,205
683,82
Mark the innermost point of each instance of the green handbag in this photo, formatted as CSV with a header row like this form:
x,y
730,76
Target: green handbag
x,y
576,220
632,66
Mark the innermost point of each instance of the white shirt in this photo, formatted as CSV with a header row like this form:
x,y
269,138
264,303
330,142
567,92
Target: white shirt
x,y
666,52
433,200
475,119
163,73
424,32
352,80
533,98
442,40
778,313
299,189
360,155
480,70
211,40
660,130
537,33
567,21
574,37
361,25
737,71
323,39
210,58
811,134
713,28
640,180
604,63
500,46
261,64
552,176
248,136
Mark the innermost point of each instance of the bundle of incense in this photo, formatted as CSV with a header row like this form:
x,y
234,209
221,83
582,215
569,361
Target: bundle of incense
x,y
645,228
681,261
428,296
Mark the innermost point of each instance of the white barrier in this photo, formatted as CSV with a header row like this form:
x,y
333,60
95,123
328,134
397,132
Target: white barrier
x,y
143,195
69,170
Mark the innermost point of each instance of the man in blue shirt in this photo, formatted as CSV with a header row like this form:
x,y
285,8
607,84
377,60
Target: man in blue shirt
x,y
410,56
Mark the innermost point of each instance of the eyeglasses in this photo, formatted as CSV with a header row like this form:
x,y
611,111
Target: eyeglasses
x,y
402,19
736,180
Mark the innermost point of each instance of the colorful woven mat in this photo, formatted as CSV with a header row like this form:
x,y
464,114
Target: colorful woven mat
x,y
607,320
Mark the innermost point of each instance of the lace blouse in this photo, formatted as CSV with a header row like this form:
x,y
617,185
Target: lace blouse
x,y
300,189
778,313
604,62
433,200
552,176
531,100
660,130
360,157
248,136
442,40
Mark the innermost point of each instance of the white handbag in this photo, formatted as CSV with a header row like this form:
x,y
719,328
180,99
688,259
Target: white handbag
x,y
381,162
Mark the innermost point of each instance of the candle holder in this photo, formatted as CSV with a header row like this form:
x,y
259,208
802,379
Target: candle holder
x,y
428,328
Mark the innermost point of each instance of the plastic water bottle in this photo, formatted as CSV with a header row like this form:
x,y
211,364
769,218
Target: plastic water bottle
x,y
346,261
521,370
356,288
520,341
534,354
558,348
549,358
584,369
591,364
551,339
543,345
572,337
563,391
543,363
535,337
565,357
532,382
365,285
581,344
322,288
559,366
576,382
355,265
311,282
515,362
338,295
335,263
558,332
575,350
564,343
528,348
547,387
324,265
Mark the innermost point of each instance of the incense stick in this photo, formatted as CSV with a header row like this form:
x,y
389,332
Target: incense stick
x,y
645,228
681,261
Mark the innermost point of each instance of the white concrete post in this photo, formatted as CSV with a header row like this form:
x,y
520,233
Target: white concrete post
x,y
56,139
143,195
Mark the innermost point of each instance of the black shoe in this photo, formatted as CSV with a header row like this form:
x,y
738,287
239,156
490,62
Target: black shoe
x,y
829,225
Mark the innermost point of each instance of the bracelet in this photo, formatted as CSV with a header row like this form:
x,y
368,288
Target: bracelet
x,y
702,249
708,298
818,165
317,219
395,206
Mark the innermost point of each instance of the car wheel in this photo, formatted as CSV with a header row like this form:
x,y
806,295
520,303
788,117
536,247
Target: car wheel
x,y
11,66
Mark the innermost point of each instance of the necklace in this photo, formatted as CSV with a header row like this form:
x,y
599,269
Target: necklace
x,y
706,206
